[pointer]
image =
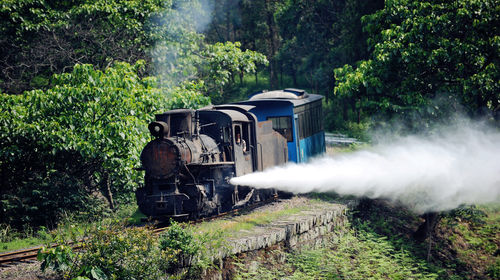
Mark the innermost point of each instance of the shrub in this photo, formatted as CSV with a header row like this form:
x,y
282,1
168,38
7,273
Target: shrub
x,y
118,252
109,252
58,258
180,243
121,253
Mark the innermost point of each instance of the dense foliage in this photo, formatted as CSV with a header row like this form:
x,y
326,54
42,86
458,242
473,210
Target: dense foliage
x,y
39,38
405,58
428,49
304,42
223,62
109,252
356,255
62,147
72,144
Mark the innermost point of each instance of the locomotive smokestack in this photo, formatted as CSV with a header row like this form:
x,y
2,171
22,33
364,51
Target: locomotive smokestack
x,y
158,129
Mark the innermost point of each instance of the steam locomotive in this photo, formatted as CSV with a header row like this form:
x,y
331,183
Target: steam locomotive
x,y
195,153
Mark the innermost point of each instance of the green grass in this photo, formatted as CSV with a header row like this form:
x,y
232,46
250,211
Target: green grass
x,y
474,233
231,227
68,229
22,243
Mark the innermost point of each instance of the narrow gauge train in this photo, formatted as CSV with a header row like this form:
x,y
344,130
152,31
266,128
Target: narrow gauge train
x,y
195,152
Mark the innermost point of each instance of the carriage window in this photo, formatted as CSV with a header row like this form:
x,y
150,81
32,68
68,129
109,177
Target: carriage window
x,y
237,134
283,125
245,137
300,125
225,134
241,136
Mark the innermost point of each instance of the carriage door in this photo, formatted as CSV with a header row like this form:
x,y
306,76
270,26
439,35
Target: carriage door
x,y
242,146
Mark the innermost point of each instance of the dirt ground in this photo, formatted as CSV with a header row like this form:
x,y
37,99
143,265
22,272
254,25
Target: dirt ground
x,y
26,271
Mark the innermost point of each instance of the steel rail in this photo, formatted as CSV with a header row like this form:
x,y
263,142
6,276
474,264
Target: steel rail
x,y
19,255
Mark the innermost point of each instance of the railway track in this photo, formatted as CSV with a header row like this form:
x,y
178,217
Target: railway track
x,y
30,254
18,256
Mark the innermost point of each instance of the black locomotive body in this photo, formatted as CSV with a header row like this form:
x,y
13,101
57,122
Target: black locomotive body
x,y
195,153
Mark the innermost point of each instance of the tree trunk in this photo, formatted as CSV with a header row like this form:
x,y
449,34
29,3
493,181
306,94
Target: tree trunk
x,y
107,191
294,77
345,109
359,111
427,227
272,43
228,23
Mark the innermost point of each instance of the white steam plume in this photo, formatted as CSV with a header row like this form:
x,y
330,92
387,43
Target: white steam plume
x,y
431,173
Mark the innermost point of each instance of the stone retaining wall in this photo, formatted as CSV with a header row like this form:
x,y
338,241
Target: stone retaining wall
x,y
291,232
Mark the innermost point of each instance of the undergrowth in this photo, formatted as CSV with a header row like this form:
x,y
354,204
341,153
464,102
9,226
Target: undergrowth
x,y
355,255
115,251
69,226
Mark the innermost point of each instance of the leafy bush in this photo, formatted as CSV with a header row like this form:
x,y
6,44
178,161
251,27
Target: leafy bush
x,y
179,243
224,61
58,258
121,253
74,146
109,252
418,54
468,213
117,252
494,270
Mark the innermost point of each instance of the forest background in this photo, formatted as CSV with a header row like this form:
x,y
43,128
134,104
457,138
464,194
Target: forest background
x,y
81,79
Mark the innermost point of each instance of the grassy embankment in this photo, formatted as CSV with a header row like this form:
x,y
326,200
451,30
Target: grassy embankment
x,y
69,228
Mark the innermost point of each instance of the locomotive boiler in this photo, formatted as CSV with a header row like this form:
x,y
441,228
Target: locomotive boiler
x,y
195,153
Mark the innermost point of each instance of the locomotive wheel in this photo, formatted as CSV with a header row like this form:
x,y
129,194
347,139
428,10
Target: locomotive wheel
x,y
285,195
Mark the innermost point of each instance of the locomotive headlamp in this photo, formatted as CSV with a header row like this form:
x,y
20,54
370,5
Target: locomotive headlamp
x,y
158,129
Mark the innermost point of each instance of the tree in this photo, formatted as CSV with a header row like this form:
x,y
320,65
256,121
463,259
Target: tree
x,y
222,62
425,49
252,23
319,36
65,148
39,38
310,33
226,21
